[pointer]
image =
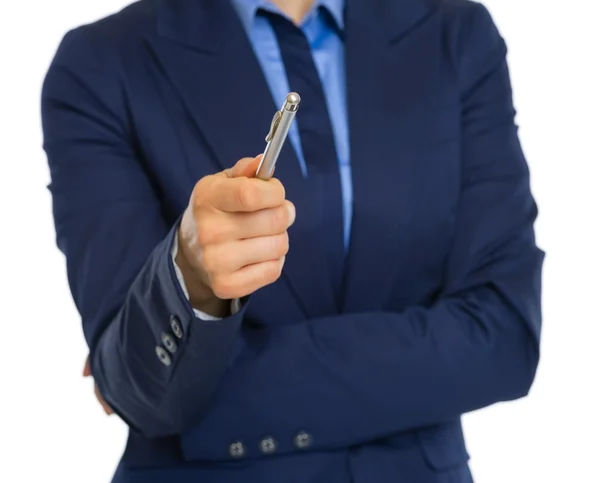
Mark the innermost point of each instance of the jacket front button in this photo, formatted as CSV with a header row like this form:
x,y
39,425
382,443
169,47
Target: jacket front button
x,y
302,440
163,355
268,445
237,450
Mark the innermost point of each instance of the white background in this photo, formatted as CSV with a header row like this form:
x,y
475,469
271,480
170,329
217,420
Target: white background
x,y
52,429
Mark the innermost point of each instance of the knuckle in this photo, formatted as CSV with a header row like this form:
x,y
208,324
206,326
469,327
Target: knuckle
x,y
223,288
290,209
198,190
279,245
212,227
247,195
271,271
198,204
284,244
201,191
209,261
278,219
278,188
206,233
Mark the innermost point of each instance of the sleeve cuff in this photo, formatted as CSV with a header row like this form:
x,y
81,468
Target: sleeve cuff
x,y
235,303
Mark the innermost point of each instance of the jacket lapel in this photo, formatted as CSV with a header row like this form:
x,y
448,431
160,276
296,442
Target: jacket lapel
x,y
204,52
380,103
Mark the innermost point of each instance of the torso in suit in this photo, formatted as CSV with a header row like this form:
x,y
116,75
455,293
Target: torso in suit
x,y
440,310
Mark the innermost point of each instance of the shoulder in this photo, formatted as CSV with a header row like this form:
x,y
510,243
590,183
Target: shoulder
x,y
93,63
110,40
461,12
471,38
467,25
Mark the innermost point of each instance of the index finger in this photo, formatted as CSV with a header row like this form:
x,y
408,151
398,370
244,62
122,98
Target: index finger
x,y
247,194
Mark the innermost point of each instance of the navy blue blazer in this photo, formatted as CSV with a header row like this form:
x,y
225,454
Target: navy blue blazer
x,y
441,310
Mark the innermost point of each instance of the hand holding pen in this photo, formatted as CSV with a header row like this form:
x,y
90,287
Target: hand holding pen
x,y
233,235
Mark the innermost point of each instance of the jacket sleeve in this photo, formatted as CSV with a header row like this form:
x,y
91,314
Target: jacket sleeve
x,y
155,362
351,379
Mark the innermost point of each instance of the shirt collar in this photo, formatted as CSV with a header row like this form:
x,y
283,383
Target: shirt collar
x,y
246,9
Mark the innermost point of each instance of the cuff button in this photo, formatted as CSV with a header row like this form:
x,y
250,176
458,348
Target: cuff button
x,y
169,343
163,356
176,326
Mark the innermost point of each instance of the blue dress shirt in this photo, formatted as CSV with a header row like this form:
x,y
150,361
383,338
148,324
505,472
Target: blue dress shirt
x,y
326,44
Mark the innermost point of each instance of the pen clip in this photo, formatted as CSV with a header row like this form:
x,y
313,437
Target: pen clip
x,y
274,126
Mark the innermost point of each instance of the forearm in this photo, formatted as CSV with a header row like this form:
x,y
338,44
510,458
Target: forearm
x,y
156,354
156,371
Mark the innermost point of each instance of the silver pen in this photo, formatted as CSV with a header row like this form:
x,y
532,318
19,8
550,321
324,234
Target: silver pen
x,y
278,132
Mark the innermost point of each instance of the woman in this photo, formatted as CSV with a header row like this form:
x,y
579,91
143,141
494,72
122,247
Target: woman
x,y
331,324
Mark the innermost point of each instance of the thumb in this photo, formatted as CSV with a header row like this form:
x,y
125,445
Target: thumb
x,y
245,167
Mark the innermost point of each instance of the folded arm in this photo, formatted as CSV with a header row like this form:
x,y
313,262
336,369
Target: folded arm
x,y
350,379
155,362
